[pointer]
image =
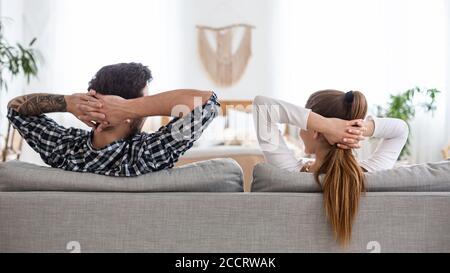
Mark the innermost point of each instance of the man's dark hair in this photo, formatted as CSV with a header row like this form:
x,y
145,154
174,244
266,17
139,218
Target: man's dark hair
x,y
126,80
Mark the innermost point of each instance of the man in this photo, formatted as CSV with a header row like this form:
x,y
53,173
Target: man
x,y
117,111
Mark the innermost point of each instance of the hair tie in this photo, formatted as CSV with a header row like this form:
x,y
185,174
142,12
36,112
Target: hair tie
x,y
349,97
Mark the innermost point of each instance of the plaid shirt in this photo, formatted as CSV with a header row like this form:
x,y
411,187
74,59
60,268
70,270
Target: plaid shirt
x,y
71,149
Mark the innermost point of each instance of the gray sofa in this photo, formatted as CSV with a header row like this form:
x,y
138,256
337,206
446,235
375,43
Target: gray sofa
x,y
201,208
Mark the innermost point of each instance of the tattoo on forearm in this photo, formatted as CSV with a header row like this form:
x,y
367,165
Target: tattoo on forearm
x,y
37,104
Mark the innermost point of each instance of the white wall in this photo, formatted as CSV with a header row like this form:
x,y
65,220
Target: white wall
x,y
160,33
78,37
259,77
447,124
11,12
378,46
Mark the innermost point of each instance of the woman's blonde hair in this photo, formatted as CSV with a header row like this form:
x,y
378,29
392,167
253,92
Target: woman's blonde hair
x,y
343,179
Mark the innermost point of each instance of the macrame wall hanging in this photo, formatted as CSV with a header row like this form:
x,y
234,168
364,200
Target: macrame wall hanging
x,y
224,66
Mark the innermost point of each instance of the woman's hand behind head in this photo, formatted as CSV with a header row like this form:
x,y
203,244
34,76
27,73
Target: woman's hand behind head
x,y
345,134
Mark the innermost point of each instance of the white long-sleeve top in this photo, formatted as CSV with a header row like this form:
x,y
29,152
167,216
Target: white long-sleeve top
x,y
269,112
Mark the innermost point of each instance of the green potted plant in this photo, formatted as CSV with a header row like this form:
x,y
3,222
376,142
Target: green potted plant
x,y
403,106
15,60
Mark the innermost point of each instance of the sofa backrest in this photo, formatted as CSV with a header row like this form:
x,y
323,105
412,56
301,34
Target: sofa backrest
x,y
219,175
431,177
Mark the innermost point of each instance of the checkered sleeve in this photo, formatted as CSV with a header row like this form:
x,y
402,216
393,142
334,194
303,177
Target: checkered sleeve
x,y
40,132
163,148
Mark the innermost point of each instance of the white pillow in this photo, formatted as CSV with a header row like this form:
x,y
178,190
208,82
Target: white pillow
x,y
240,127
214,134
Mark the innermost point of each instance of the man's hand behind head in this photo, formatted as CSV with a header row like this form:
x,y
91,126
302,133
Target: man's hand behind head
x,y
111,110
92,118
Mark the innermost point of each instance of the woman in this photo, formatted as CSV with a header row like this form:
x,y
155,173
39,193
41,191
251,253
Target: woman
x,y
332,124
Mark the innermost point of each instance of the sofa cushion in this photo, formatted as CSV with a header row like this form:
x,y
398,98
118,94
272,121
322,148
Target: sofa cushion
x,y
431,177
220,175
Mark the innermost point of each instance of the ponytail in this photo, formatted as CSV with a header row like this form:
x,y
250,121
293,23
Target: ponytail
x,y
343,179
343,184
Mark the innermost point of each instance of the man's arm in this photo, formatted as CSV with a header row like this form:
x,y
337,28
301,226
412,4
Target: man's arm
x,y
162,149
175,103
38,104
43,103
165,104
40,132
